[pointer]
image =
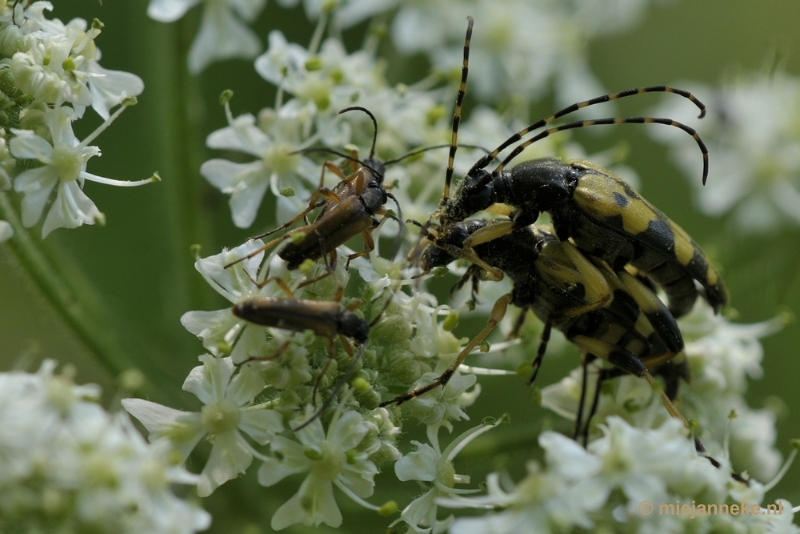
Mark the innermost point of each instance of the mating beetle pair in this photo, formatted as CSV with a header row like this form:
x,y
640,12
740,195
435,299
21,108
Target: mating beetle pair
x,y
576,280
615,317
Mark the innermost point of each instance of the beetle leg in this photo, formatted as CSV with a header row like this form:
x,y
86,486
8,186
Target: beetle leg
x,y
500,209
479,237
278,354
586,359
602,376
266,247
369,246
518,324
314,202
346,345
498,312
598,292
537,361
330,266
281,284
627,361
332,396
318,381
398,241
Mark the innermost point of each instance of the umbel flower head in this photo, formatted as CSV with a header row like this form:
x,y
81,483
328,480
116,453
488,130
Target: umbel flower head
x,y
57,63
617,483
66,465
222,419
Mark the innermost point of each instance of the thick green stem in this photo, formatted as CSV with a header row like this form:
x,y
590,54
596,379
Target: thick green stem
x,y
76,303
181,138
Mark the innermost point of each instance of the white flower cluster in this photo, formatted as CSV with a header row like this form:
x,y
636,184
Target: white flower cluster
x,y
527,45
753,133
52,74
66,465
322,82
271,398
628,480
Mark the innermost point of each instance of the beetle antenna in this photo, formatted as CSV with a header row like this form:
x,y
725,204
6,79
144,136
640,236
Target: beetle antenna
x,y
374,123
484,161
421,150
402,231
462,90
607,121
326,150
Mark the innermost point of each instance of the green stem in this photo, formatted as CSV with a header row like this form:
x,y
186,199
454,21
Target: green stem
x,y
180,131
77,304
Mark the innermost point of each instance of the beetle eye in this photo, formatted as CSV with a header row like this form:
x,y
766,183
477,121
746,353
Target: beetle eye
x,y
477,192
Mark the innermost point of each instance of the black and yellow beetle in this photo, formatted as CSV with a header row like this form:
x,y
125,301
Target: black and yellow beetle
x,y
602,214
608,315
605,218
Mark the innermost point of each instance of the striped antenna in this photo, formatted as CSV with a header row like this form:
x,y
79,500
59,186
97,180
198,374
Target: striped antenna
x,y
487,159
462,90
600,122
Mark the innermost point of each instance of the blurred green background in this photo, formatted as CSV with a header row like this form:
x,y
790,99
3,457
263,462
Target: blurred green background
x,y
141,265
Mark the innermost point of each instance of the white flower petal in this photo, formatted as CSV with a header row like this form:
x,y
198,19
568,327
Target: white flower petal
x,y
236,281
421,512
28,145
282,60
182,429
154,417
312,434
247,183
111,87
36,185
6,231
261,425
248,9
273,471
229,458
245,386
216,328
221,36
246,202
292,461
59,120
358,476
349,430
251,343
418,465
169,10
71,209
208,382
567,456
311,505
241,135
226,175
